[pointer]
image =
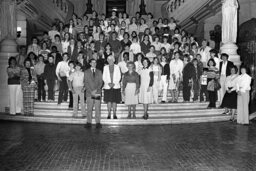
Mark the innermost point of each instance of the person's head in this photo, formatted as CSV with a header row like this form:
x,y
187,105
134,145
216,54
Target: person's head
x,y
122,31
93,63
54,49
32,56
156,61
57,38
176,45
71,22
126,35
80,56
120,15
34,41
92,44
195,62
108,47
114,35
113,14
146,38
211,63
111,60
133,20
213,53
163,51
12,62
198,57
51,59
186,47
94,14
204,43
125,16
54,27
127,47
160,21
66,37
86,29
134,34
176,55
233,70
147,31
155,23
184,39
243,69
72,41
139,57
142,21
165,39
71,64
27,63
150,15
194,46
130,66
165,21
137,15
177,31
152,49
156,39
79,44
78,66
172,20
126,56
146,62
65,57
23,50
123,24
183,33
163,58
79,21
40,58
224,57
186,58
101,36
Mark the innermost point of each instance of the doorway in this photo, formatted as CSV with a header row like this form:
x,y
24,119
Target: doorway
x,y
115,5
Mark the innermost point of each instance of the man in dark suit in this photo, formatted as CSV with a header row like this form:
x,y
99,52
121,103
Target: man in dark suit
x,y
225,70
93,85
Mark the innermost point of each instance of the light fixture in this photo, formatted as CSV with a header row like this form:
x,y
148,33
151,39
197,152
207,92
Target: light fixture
x,y
19,32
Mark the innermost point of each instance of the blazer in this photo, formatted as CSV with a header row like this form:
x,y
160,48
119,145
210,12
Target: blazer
x,y
92,83
229,66
116,77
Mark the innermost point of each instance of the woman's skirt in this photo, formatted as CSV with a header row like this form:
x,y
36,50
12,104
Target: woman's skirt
x,y
112,95
145,96
230,100
130,97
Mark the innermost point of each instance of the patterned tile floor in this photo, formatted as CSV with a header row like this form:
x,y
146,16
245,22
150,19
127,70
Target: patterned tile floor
x,y
189,147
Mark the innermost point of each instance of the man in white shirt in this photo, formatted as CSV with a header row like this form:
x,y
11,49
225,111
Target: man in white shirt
x,y
62,72
204,51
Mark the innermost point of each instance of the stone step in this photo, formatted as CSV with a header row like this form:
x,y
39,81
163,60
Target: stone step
x,y
139,121
139,113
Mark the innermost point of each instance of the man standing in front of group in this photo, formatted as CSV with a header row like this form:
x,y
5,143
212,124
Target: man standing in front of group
x,y
93,85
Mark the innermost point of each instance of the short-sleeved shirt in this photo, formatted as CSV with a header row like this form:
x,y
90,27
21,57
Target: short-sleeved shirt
x,y
77,79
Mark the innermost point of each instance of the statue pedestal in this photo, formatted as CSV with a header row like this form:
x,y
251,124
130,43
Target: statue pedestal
x,y
231,50
8,49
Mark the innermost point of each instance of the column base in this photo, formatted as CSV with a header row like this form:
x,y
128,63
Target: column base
x,y
231,50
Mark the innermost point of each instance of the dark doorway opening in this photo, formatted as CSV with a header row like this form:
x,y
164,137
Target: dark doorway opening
x,y
115,5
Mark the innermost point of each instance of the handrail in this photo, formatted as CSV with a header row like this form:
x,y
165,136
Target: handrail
x,y
172,5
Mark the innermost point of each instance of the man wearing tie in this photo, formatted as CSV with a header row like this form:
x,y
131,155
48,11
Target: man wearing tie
x,y
225,70
93,85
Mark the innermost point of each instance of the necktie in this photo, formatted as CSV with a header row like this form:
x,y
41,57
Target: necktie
x,y
93,72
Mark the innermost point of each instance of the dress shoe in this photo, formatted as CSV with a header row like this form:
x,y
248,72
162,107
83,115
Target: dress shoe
x,y
109,117
98,125
115,117
88,125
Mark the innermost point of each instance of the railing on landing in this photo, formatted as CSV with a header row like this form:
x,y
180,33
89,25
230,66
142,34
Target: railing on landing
x,y
173,5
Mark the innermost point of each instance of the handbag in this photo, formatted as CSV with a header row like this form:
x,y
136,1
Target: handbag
x,y
211,85
217,85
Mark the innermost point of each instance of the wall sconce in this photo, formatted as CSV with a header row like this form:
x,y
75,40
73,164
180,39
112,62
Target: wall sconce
x,y
18,32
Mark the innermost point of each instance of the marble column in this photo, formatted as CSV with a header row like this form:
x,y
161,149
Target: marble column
x,y
8,46
229,30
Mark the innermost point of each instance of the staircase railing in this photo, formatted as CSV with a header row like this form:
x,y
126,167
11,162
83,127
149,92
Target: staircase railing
x,y
65,7
172,5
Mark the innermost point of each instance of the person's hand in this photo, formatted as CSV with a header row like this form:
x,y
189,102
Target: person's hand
x,y
149,89
123,93
137,91
59,78
229,91
94,92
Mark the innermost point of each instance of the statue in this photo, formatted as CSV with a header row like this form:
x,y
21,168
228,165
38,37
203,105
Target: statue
x,y
229,21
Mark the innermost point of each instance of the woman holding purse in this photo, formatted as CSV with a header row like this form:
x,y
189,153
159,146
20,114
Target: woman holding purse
x,y
28,83
212,76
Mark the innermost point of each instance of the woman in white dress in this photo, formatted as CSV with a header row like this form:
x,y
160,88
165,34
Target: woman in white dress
x,y
147,80
176,67
243,88
157,70
138,62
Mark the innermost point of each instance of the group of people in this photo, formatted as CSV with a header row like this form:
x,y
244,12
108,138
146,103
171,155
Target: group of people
x,y
133,59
